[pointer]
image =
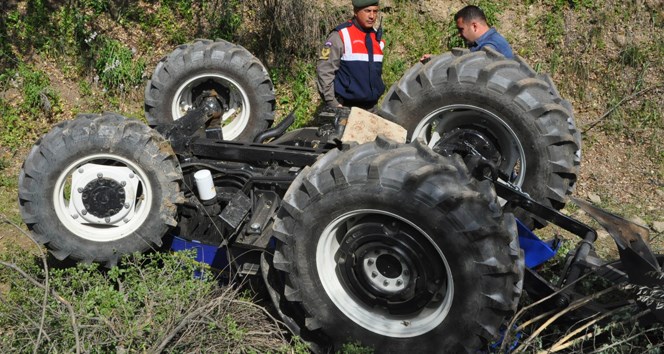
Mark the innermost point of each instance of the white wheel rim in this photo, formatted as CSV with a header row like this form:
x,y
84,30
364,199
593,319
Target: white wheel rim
x,y
67,203
380,322
428,125
233,121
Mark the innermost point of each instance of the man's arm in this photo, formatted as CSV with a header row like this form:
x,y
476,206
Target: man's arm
x,y
329,61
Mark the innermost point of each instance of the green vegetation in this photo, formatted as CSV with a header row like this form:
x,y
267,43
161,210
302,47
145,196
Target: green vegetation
x,y
409,35
355,348
300,93
225,18
116,66
32,96
139,306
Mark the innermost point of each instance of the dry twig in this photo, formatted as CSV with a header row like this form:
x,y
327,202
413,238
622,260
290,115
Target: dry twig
x,y
605,348
573,306
192,315
565,341
503,346
59,298
591,125
46,280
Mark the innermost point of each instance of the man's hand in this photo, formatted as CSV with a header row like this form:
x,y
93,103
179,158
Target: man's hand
x,y
425,58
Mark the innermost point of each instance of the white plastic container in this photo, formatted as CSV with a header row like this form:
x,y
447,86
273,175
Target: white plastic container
x,y
205,185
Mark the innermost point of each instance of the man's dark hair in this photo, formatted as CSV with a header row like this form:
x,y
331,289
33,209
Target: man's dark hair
x,y
469,13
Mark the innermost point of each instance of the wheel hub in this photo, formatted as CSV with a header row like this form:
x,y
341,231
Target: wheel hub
x,y
385,265
386,271
468,141
102,194
233,99
103,197
475,130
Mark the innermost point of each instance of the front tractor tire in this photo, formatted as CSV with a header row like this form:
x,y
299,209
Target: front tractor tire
x,y
499,108
397,247
99,187
240,81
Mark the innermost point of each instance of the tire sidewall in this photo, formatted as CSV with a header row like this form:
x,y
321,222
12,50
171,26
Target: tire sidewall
x,y
78,142
522,123
457,249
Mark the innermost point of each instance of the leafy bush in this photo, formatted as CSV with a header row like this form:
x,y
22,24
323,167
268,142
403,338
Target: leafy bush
x,y
150,303
116,66
225,18
38,100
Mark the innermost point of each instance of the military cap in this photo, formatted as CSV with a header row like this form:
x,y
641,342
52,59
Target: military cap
x,y
364,3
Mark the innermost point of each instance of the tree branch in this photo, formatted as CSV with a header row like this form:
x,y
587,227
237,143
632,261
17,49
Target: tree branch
x,y
573,306
625,99
46,287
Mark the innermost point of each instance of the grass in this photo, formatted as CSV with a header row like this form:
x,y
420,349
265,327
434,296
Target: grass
x,y
116,65
36,99
225,18
8,185
148,303
296,91
409,35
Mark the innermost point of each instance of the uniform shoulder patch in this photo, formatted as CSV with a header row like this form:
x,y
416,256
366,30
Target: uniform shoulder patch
x,y
325,52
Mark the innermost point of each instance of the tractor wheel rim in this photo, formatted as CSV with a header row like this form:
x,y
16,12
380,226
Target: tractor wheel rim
x,y
119,191
234,119
469,117
384,269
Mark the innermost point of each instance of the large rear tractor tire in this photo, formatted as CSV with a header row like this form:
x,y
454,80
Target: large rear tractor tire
x,y
500,108
99,187
240,80
396,247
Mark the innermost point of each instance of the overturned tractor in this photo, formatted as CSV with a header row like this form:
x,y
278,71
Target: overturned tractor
x,y
423,244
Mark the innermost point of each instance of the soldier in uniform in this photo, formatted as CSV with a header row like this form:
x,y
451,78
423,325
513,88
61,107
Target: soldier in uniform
x,y
350,65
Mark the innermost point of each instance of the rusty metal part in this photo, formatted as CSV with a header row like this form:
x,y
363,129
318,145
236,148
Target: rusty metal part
x,y
630,238
640,263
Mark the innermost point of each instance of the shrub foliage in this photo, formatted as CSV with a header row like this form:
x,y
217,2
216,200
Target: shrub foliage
x,y
150,303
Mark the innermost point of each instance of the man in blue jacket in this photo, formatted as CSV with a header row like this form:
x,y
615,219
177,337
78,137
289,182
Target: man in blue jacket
x,y
350,64
474,29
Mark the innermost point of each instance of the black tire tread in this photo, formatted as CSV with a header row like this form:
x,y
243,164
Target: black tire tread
x,y
534,94
69,140
438,182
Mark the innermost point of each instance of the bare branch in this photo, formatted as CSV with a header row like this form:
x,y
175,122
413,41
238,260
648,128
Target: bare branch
x,y
563,342
59,298
188,318
591,125
503,346
261,308
605,348
573,306
46,278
